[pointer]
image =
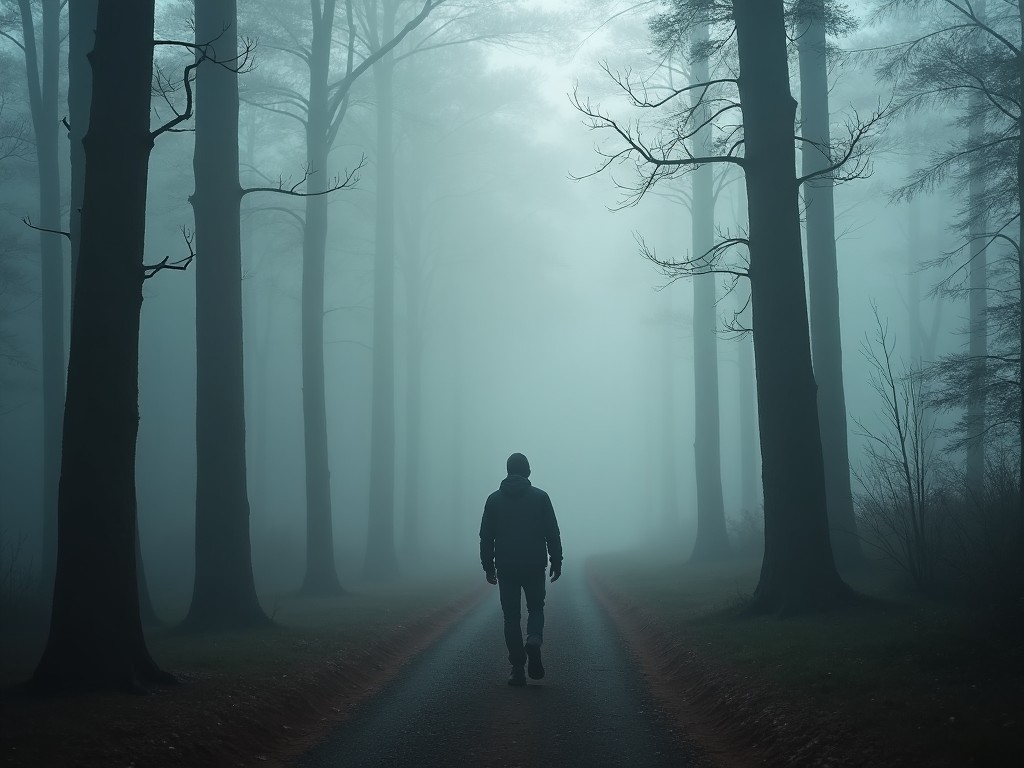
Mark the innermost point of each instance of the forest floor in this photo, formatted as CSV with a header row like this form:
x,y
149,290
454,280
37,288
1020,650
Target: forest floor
x,y
893,682
246,698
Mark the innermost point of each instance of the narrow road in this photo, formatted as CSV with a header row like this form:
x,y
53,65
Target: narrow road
x,y
452,706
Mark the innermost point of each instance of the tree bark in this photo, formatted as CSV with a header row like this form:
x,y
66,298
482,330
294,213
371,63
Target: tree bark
x,y
823,282
321,576
81,36
748,424
95,639
978,296
381,557
712,539
798,571
42,77
1020,285
224,594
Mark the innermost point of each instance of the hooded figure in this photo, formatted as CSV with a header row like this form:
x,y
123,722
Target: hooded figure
x,y
518,535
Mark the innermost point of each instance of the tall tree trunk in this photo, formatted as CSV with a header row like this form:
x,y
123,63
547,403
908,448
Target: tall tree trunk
x,y
321,576
95,638
978,296
42,76
798,572
669,518
381,558
224,594
823,282
712,539
255,348
414,280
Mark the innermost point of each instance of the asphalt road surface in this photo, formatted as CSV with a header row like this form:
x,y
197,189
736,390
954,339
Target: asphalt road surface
x,y
452,705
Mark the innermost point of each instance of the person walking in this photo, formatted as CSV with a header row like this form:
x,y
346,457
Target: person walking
x,y
518,534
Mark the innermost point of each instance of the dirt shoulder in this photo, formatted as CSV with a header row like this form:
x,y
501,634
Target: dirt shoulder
x,y
886,684
246,698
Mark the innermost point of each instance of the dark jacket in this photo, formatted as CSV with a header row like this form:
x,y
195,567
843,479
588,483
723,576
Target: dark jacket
x,y
519,527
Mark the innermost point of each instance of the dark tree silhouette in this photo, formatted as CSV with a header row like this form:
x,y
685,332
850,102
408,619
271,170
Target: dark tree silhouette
x,y
798,571
95,638
712,540
823,277
42,60
224,593
321,111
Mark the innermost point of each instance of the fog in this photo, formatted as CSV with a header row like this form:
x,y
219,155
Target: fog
x,y
542,330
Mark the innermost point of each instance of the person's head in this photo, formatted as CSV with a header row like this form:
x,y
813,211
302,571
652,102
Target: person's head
x,y
518,465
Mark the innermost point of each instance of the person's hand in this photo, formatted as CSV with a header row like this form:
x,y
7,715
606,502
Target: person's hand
x,y
555,573
491,577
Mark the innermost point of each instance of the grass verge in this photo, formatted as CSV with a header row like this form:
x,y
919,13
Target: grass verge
x,y
885,683
247,698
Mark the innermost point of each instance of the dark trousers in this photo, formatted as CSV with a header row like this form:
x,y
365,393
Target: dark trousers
x,y
513,581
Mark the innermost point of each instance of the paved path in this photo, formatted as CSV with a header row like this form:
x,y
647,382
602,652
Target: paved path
x,y
452,706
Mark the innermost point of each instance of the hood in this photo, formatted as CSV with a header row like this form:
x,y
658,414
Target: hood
x,y
514,485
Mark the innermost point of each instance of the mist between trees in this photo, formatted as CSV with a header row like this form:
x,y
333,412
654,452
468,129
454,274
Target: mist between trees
x,y
738,277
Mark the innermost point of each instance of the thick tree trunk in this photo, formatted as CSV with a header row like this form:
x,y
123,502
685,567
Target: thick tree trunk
x,y
95,638
381,557
42,74
712,540
798,572
224,594
823,282
321,577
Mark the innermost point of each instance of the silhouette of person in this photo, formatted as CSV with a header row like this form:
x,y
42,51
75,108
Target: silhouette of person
x,y
518,533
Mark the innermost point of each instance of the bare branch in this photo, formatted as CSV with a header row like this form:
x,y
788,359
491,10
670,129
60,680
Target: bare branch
x,y
150,270
28,223
350,179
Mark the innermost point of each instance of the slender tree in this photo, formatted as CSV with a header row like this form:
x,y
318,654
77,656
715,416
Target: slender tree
x,y
823,278
381,556
712,539
95,638
321,111
798,572
42,62
668,354
224,593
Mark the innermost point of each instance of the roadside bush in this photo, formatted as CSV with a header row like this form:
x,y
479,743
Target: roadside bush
x,y
900,505
982,554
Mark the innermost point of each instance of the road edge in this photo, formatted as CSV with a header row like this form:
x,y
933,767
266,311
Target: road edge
x,y
686,695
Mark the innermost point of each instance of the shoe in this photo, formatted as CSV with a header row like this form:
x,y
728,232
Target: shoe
x,y
534,665
518,677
